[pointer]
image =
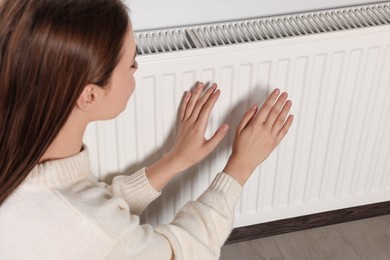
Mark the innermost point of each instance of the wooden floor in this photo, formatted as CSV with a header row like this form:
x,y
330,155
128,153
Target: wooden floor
x,y
362,239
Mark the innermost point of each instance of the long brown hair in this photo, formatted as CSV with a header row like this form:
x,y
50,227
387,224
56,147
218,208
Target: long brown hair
x,y
49,51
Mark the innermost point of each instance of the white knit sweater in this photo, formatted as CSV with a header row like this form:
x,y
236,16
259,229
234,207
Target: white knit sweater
x,y
61,211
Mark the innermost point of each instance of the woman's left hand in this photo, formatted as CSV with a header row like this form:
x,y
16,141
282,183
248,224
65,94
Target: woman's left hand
x,y
191,146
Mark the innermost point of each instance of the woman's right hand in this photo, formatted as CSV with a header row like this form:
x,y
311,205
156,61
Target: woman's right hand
x,y
258,134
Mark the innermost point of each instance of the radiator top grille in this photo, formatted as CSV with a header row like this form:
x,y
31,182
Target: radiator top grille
x,y
262,29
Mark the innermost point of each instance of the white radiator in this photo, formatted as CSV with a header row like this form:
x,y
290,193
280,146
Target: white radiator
x,y
335,65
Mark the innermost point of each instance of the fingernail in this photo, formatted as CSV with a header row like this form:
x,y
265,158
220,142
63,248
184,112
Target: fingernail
x,y
225,127
277,91
254,107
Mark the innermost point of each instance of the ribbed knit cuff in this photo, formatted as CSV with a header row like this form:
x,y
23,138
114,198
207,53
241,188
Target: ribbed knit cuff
x,y
137,190
226,184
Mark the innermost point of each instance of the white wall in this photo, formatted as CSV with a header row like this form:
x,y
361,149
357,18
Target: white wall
x,y
153,14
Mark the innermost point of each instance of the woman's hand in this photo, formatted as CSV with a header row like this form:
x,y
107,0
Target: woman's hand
x,y
258,134
190,146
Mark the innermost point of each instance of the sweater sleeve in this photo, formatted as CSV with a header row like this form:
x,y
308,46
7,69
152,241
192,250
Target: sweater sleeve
x,y
135,189
198,231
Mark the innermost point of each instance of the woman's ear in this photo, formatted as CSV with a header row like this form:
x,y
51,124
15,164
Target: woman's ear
x,y
88,97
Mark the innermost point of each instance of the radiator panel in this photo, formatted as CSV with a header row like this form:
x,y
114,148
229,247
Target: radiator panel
x,y
336,154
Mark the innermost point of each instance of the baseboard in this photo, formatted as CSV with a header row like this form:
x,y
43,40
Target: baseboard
x,y
308,221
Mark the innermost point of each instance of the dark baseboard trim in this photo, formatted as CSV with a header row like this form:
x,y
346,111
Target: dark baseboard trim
x,y
309,221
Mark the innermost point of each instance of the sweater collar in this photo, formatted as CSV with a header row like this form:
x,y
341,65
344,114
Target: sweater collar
x,y
62,171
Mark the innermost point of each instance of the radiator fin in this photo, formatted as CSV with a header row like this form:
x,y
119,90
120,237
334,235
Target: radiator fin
x,y
220,34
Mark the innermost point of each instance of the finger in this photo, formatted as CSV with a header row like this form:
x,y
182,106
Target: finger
x,y
284,129
217,137
199,105
194,98
249,114
266,107
281,118
184,105
275,110
206,109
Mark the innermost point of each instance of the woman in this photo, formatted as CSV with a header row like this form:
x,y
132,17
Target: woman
x,y
64,64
